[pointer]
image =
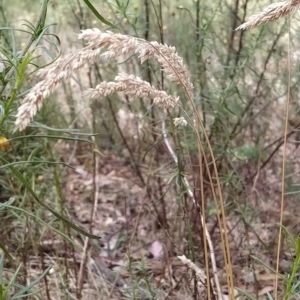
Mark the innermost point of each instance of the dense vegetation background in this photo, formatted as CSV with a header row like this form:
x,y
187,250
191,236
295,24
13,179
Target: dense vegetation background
x,y
85,169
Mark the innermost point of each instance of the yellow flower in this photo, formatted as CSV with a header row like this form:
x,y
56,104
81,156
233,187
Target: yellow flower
x,y
4,144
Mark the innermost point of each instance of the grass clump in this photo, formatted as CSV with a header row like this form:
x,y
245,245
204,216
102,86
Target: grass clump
x,y
126,147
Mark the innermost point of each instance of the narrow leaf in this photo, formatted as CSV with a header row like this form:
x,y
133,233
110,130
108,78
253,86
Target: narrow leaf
x,y
29,189
6,253
96,13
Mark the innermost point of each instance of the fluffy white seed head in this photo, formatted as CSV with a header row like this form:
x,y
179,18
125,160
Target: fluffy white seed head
x,y
132,86
271,13
179,122
114,45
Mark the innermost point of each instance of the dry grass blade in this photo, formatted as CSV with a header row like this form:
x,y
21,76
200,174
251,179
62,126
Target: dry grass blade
x,y
271,13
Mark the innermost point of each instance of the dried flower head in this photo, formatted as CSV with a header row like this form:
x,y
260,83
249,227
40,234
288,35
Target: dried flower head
x,y
120,44
132,86
180,121
271,13
116,45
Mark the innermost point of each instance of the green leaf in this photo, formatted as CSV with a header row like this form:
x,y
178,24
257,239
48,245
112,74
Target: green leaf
x,y
33,216
12,281
95,12
22,294
246,294
245,153
34,162
287,233
6,253
29,189
10,201
268,267
54,137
